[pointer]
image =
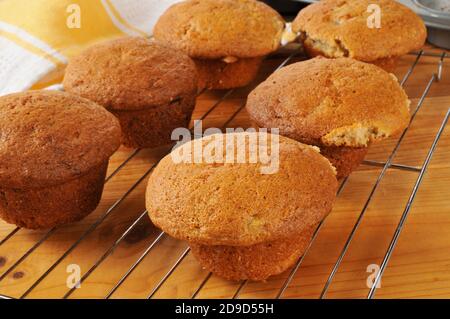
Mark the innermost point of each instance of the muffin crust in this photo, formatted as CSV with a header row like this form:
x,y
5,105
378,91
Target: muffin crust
x,y
234,204
334,102
255,262
227,39
46,207
338,28
54,153
150,88
214,29
340,105
130,74
217,74
49,137
239,222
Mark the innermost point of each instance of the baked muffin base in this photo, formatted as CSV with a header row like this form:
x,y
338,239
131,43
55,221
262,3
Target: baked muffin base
x,y
388,64
344,159
153,127
256,262
40,208
217,74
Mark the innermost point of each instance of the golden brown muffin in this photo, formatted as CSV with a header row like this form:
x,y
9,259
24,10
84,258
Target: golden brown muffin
x,y
339,28
150,88
230,211
54,152
226,38
217,74
340,105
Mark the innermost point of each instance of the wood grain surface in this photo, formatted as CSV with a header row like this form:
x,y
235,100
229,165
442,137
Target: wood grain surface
x,y
420,263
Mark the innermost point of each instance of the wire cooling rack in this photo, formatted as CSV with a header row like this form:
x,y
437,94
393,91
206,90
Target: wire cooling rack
x,y
420,171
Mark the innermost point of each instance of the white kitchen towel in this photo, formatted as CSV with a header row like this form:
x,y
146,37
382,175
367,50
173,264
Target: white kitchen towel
x,y
37,37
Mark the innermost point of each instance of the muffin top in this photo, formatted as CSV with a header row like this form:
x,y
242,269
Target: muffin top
x,y
48,138
215,29
234,203
131,74
339,28
333,102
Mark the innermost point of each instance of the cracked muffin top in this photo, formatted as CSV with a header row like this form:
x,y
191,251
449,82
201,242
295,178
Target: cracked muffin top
x,y
332,102
48,138
232,202
131,73
339,28
215,29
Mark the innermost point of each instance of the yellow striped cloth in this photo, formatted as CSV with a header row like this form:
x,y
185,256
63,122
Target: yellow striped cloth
x,y
37,37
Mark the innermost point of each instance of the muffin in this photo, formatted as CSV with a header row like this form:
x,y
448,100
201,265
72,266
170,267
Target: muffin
x,y
255,262
340,105
227,39
340,28
54,152
151,89
242,223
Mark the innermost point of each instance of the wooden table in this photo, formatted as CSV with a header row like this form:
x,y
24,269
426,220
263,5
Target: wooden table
x,y
118,237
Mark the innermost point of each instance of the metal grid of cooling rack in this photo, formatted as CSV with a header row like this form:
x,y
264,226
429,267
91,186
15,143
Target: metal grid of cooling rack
x,y
385,166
